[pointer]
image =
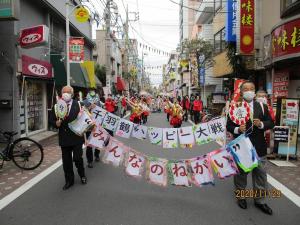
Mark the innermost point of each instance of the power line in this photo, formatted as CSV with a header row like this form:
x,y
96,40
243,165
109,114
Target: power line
x,y
197,10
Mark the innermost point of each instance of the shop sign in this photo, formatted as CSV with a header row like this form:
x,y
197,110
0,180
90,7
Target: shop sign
x,y
281,133
9,9
247,23
231,21
35,67
82,15
34,36
76,54
280,84
291,111
286,39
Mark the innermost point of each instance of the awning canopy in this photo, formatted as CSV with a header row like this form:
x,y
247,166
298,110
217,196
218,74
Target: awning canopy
x,y
77,78
121,85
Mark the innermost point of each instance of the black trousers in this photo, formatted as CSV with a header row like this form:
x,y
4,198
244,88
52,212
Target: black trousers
x,y
186,115
197,117
89,154
168,116
70,154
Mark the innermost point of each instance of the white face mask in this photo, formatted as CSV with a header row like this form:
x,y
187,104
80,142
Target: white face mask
x,y
249,95
262,100
66,97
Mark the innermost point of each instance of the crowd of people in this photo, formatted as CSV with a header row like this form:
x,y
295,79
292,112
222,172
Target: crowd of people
x,y
177,111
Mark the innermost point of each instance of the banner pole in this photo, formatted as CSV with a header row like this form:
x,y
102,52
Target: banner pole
x,y
288,150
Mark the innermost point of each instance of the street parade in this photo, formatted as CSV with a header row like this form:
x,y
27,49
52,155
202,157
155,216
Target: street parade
x,y
152,112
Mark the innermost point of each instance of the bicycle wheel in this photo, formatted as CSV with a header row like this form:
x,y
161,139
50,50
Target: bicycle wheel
x,y
26,153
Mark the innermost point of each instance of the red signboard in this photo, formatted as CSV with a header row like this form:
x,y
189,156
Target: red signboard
x,y
76,53
286,39
247,27
280,84
34,36
35,67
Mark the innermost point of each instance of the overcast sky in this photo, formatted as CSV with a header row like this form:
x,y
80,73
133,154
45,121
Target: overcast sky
x,y
158,25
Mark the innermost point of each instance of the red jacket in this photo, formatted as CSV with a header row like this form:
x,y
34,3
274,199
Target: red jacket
x,y
110,105
198,105
187,104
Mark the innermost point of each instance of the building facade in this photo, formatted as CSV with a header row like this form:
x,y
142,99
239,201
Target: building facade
x,y
29,91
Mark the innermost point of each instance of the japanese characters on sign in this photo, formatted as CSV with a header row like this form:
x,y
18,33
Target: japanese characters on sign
x,y
61,109
76,53
201,172
286,39
247,25
155,135
34,36
281,133
170,138
114,153
223,163
99,138
134,164
280,84
186,135
139,131
179,173
110,121
231,21
124,128
81,14
36,68
157,171
98,115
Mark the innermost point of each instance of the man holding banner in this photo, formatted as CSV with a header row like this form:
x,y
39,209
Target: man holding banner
x,y
66,111
258,122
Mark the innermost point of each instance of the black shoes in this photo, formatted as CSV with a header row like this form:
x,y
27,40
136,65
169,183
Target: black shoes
x,y
90,165
97,159
242,203
265,208
68,185
83,180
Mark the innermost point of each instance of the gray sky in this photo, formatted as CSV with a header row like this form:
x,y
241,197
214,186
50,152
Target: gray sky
x,y
158,27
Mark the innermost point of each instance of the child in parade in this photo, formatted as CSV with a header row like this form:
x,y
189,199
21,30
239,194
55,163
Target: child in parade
x,y
177,113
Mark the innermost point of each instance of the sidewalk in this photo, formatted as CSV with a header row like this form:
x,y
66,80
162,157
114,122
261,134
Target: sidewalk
x,y
11,177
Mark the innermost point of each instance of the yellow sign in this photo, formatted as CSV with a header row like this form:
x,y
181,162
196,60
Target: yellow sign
x,y
82,14
90,68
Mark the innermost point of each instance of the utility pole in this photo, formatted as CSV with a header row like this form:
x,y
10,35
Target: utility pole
x,y
108,46
127,44
67,42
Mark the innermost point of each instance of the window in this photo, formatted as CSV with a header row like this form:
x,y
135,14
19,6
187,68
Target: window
x,y
219,41
218,5
289,7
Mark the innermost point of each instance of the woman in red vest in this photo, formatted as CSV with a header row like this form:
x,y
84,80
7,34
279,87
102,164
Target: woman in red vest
x,y
186,107
197,108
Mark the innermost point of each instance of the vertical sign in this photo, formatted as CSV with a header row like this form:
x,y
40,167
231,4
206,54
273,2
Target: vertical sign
x,y
231,20
76,49
201,69
280,85
247,27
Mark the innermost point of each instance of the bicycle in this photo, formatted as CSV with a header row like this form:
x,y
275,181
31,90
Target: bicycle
x,y
26,153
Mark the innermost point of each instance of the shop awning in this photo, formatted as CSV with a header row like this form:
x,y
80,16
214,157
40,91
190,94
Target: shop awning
x,y
121,85
78,78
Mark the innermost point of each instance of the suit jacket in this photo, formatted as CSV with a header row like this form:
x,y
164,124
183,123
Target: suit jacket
x,y
256,135
66,137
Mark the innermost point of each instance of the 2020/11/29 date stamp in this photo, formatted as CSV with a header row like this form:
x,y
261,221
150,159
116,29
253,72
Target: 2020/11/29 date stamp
x,y
252,193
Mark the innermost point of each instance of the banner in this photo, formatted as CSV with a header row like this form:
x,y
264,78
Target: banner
x,y
76,49
99,138
134,164
170,138
139,131
179,173
124,128
110,121
244,153
247,25
157,171
223,164
82,123
114,153
201,172
231,21
98,115
155,135
186,135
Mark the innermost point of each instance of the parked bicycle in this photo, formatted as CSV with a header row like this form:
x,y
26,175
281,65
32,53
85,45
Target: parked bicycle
x,y
26,153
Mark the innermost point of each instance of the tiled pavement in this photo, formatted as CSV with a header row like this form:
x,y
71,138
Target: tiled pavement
x,y
11,177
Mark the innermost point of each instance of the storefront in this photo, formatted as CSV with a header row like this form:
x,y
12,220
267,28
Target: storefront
x,y
33,95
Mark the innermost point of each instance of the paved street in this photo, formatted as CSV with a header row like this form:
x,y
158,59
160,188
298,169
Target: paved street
x,y
110,197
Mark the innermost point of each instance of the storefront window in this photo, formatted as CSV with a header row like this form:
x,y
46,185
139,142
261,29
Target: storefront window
x,y
219,41
35,106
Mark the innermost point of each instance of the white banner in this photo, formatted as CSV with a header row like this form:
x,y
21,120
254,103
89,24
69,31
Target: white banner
x,y
110,121
155,135
139,131
186,135
170,138
124,128
98,114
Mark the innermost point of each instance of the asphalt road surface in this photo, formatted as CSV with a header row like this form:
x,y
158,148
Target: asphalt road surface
x,y
112,198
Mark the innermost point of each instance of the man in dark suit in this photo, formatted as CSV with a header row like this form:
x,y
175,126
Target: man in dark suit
x,y
70,143
255,127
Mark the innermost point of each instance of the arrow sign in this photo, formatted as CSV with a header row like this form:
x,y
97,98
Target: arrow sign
x,y
291,104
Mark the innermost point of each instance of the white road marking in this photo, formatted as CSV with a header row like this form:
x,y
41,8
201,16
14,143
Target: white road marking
x,y
29,184
284,190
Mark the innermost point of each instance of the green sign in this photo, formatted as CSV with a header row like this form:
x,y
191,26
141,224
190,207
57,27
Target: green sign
x,y
9,9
